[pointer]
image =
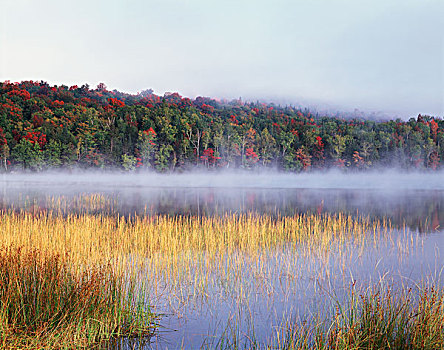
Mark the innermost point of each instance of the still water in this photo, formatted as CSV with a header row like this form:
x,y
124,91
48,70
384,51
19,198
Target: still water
x,y
275,286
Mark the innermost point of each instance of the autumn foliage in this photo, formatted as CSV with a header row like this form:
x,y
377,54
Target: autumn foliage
x,y
45,126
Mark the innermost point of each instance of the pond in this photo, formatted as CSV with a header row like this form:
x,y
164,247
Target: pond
x,y
250,294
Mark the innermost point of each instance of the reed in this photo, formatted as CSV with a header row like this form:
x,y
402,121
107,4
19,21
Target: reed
x,y
45,304
184,258
374,319
387,320
96,237
180,248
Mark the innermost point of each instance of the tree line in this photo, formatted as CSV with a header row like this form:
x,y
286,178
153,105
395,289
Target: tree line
x,y
44,127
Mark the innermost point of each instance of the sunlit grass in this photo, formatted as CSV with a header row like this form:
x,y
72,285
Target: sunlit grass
x,y
371,319
179,248
45,303
183,258
96,237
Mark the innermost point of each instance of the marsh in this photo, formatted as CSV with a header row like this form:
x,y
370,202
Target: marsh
x,y
329,232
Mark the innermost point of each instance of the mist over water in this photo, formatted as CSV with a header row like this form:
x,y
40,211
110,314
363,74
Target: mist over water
x,y
389,180
414,199
283,282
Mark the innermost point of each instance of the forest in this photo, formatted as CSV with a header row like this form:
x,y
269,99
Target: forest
x,y
45,127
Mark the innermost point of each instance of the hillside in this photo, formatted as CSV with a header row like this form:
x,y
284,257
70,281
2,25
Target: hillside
x,y
43,127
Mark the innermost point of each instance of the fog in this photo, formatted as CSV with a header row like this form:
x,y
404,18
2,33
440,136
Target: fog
x,y
415,199
283,282
371,55
389,180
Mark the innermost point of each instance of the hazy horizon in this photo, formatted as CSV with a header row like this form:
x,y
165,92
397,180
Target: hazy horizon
x,y
388,179
375,56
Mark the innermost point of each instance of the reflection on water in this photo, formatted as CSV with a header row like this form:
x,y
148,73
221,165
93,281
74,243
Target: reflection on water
x,y
254,294
285,285
421,210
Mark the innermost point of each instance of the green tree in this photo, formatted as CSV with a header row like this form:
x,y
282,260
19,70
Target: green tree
x,y
28,155
128,162
163,157
53,154
266,145
147,147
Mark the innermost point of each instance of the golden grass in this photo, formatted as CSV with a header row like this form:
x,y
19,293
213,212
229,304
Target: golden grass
x,y
173,251
187,257
93,239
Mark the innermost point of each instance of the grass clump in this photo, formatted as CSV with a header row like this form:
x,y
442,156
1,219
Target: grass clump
x,y
367,321
382,321
45,303
377,320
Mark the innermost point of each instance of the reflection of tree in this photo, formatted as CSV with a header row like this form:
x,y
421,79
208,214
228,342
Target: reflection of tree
x,y
421,211
435,219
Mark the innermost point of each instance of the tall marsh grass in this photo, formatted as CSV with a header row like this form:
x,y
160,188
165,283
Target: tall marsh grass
x,y
95,237
181,248
368,320
94,268
381,320
44,303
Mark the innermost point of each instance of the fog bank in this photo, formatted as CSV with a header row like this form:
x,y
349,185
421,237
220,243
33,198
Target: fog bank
x,y
381,180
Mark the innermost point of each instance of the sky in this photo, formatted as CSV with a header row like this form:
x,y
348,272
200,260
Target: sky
x,y
373,55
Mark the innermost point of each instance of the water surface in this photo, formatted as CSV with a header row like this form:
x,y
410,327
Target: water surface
x,y
263,291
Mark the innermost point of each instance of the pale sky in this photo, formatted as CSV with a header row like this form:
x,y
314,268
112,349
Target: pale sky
x,y
374,55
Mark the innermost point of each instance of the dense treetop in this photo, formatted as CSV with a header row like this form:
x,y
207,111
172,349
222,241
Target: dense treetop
x,y
43,126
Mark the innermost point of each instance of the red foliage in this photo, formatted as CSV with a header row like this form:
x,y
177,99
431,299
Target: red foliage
x,y
319,142
340,163
251,155
359,161
10,108
58,104
318,151
150,132
278,127
93,157
151,136
417,160
207,108
25,95
36,136
208,157
116,102
398,139
304,158
131,120
37,121
434,129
